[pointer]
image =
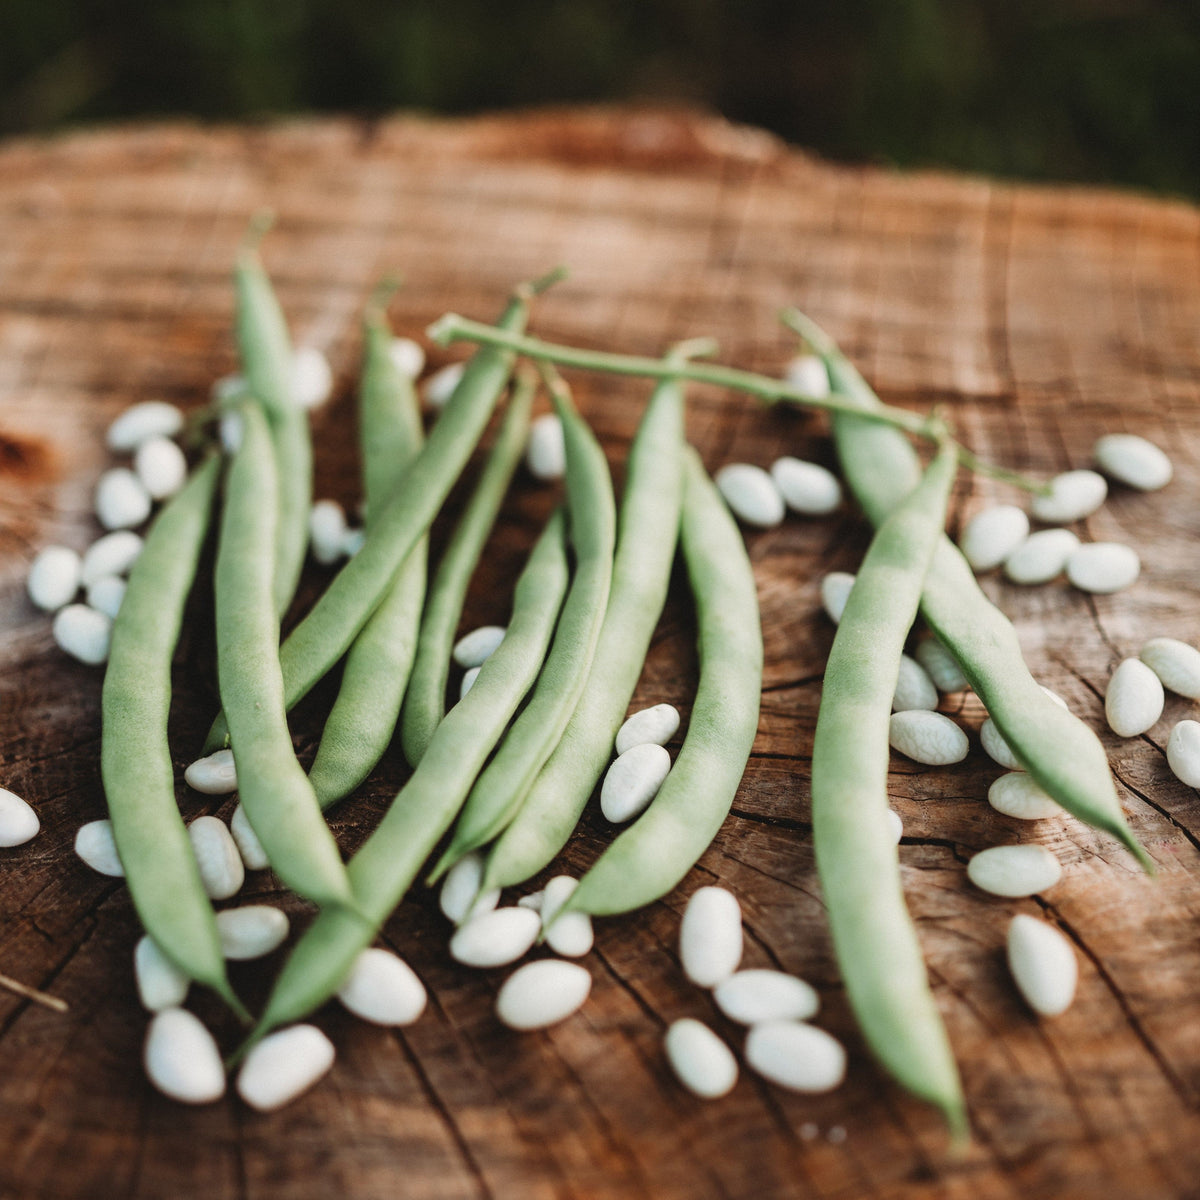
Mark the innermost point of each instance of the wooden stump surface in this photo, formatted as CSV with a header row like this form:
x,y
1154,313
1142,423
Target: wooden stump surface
x,y
1040,317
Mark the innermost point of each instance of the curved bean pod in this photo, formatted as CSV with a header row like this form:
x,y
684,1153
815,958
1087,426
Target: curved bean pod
x,y
363,718
275,792
1062,755
135,762
873,935
649,858
425,700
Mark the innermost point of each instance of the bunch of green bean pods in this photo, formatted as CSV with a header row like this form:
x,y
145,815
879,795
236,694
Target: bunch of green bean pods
x,y
135,762
648,531
1061,754
266,353
275,792
650,857
591,510
328,629
873,935
425,700
388,862
363,718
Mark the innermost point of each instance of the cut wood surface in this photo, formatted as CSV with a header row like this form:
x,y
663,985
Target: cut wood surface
x,y
1040,317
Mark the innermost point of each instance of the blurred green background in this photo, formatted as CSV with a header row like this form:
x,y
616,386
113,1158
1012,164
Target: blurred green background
x,y
1105,91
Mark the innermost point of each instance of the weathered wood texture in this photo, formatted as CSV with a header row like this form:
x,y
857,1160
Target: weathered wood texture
x,y
1042,317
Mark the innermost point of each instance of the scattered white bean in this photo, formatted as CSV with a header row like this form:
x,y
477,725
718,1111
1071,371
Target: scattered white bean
x,y
105,595
439,387
215,774
1042,556
18,822
459,898
468,680
230,429
326,531
54,577
751,494
658,725
475,648
710,936
221,868
897,825
1017,795
1132,460
807,373
700,1060
1043,965
796,1056
542,993
571,934
532,900
112,554
1134,699
806,487
312,377
1183,752
383,989
941,666
408,357
835,591
633,780
749,997
160,983
914,688
182,1059
353,541
1014,870
283,1065
161,466
1073,496
996,748
83,633
546,451
121,499
1103,567
495,938
251,931
140,422
927,737
94,843
1176,663
992,535
254,857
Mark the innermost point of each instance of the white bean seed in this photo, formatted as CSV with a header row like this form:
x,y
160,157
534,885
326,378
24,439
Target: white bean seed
x,y
283,1065
408,357
251,931
222,871
140,422
1134,699
633,780
468,680
54,578
941,666
160,465
807,373
383,989
94,843
1042,556
1017,795
532,900
439,387
751,494
1183,752
475,648
835,591
83,633
18,822
806,487
542,993
160,983
796,1056
353,541
1133,460
914,688
710,936
182,1059
312,377
254,857
215,774
1103,567
121,499
1014,870
1073,496
459,898
327,531
571,934
546,450
105,595
495,938
927,737
230,430
658,725
749,997
996,748
1043,965
1176,663
700,1060
112,554
896,824
992,535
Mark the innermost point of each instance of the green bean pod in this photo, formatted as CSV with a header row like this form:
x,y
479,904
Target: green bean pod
x,y
425,700
266,353
648,531
499,792
1062,755
650,857
388,862
363,718
873,936
135,761
275,792
328,629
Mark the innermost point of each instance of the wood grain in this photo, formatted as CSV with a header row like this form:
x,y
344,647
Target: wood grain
x,y
1041,317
